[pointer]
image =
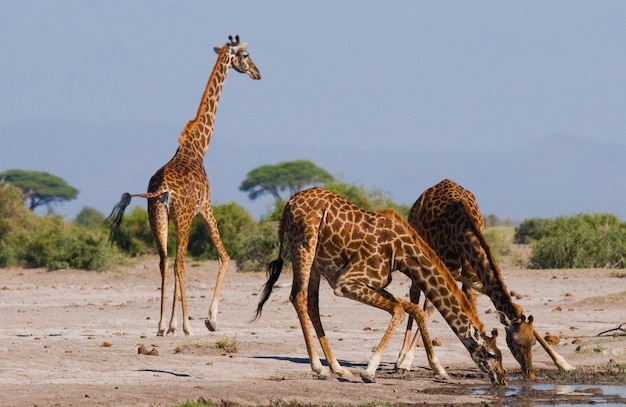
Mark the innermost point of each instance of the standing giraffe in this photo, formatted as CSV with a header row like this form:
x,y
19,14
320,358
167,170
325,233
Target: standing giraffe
x,y
179,190
356,251
447,217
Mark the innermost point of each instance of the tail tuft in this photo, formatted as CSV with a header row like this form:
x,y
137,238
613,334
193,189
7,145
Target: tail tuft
x,y
273,270
117,214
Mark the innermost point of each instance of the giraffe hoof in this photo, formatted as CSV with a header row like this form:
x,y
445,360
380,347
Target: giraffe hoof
x,y
368,378
325,376
211,326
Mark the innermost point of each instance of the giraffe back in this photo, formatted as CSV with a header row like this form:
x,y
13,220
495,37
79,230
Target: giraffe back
x,y
447,217
441,215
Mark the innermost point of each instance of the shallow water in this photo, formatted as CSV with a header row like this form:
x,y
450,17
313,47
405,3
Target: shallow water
x,y
580,389
598,393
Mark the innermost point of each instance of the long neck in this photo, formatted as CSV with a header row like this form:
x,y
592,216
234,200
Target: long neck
x,y
197,133
492,283
439,286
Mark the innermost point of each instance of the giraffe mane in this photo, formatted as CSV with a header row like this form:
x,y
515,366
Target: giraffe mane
x,y
390,213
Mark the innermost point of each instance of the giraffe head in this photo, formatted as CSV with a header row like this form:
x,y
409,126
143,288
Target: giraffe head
x,y
238,57
520,337
488,357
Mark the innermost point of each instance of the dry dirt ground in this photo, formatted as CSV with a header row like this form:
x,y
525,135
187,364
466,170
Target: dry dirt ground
x,y
71,338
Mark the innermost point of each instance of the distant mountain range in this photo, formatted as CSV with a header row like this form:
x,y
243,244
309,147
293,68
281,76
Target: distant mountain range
x,y
548,177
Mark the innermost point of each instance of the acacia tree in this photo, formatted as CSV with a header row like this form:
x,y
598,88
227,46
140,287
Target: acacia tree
x,y
292,176
39,188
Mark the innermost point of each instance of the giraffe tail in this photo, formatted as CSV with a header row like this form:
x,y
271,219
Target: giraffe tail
x,y
274,268
117,214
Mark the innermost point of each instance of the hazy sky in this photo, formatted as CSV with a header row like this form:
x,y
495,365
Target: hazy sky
x,y
416,75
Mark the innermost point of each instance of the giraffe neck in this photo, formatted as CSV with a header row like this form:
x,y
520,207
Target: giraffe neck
x,y
492,283
197,133
501,297
442,290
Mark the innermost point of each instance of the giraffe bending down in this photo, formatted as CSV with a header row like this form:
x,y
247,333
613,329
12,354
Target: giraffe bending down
x,y
447,217
179,190
356,251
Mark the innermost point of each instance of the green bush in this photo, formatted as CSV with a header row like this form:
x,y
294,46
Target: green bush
x,y
259,248
276,211
48,241
89,217
581,241
59,244
492,221
234,224
233,221
500,241
530,230
134,236
370,200
16,225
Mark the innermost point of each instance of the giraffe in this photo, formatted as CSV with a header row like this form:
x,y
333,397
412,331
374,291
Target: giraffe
x,y
447,217
356,251
179,190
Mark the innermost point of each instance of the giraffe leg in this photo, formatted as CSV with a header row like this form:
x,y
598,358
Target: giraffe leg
x,y
302,261
357,290
314,315
429,308
159,224
206,214
558,360
163,265
421,318
182,239
407,353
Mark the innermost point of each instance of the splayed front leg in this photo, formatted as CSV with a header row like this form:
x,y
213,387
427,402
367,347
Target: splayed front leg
x,y
335,366
369,374
323,373
405,359
407,353
558,360
420,318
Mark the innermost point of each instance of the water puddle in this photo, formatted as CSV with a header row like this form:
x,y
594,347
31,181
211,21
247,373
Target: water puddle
x,y
602,394
584,389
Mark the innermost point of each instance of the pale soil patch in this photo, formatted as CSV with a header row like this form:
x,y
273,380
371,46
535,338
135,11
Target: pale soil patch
x,y
71,338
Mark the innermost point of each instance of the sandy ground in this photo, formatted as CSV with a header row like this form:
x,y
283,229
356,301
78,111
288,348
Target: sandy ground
x,y
71,338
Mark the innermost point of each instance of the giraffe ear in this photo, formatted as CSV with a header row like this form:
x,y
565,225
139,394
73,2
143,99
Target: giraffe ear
x,y
217,50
